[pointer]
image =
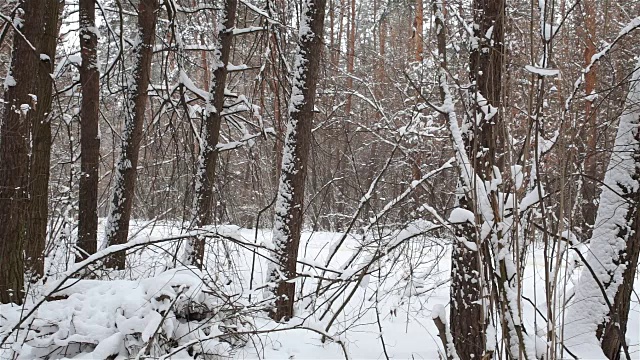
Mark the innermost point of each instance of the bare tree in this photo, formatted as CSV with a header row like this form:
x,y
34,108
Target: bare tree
x,y
36,229
27,102
205,176
117,227
588,190
471,266
290,198
89,137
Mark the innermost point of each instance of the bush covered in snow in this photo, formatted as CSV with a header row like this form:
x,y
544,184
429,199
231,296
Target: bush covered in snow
x,y
176,313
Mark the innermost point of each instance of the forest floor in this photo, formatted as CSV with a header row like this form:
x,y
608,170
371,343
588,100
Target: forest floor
x,y
388,315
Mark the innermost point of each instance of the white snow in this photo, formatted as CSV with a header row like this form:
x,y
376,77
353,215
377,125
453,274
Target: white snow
x,y
9,81
542,71
104,315
460,215
611,232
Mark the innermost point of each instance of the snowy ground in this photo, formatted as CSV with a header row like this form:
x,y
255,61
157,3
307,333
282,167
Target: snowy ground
x,y
390,311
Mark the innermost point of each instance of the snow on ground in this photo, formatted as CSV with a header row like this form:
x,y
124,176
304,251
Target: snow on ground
x,y
412,281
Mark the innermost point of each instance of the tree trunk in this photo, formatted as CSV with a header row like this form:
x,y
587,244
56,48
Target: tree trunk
x,y
614,247
588,190
36,228
468,297
290,199
351,54
28,101
89,134
418,24
117,228
205,177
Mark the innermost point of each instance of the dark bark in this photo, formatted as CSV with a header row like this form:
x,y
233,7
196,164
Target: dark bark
x,y
205,176
89,138
117,229
468,320
289,204
589,183
28,100
36,227
351,54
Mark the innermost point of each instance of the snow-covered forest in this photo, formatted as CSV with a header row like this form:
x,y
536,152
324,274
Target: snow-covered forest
x,y
320,179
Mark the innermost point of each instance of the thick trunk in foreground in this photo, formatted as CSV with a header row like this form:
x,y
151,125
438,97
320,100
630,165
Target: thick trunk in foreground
x,y
89,138
36,229
613,249
469,287
205,176
26,103
117,228
288,218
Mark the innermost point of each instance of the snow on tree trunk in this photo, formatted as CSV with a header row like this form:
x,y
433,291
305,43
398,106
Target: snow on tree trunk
x,y
26,103
594,330
290,199
89,134
483,263
117,227
471,267
205,176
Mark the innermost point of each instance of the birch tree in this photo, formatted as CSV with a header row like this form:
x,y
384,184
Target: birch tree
x,y
290,198
117,226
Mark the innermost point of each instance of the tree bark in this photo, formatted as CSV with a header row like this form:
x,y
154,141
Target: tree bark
x,y
351,54
27,103
468,317
89,133
205,177
418,24
290,199
36,227
117,228
589,186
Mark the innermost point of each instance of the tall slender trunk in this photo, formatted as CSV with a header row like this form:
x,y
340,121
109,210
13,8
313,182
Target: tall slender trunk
x,y
418,27
205,177
351,54
613,250
588,189
471,267
89,134
28,101
418,24
117,227
290,199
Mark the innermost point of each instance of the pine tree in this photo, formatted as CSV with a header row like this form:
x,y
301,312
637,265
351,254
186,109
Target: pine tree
x,y
117,227
290,199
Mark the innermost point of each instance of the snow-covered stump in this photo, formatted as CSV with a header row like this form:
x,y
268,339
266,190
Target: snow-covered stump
x,y
597,318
